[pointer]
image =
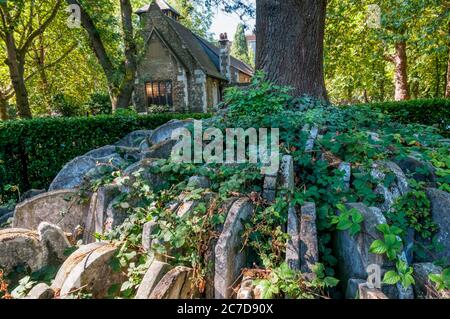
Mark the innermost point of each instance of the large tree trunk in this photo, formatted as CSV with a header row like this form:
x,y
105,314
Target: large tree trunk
x,y
401,72
15,64
289,49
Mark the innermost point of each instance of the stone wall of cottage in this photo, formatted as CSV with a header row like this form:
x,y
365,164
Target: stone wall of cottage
x,y
158,64
187,69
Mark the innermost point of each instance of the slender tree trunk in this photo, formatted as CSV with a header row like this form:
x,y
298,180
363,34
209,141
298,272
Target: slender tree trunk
x,y
401,72
289,49
127,86
447,86
120,89
15,64
3,107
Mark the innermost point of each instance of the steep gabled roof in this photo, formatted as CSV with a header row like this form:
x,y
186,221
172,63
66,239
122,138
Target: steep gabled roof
x,y
162,4
204,52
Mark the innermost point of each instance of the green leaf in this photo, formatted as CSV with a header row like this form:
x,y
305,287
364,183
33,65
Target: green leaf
x,y
330,281
391,278
344,224
378,247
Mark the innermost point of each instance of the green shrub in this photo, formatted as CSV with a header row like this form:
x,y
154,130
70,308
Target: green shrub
x,y
432,112
33,151
66,105
98,103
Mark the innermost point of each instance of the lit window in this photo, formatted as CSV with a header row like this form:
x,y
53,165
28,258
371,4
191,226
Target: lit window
x,y
159,93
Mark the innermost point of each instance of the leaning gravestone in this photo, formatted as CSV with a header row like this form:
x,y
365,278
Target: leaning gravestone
x,y
309,247
353,251
229,257
90,269
440,212
164,132
36,249
135,138
72,174
96,218
63,208
152,277
176,284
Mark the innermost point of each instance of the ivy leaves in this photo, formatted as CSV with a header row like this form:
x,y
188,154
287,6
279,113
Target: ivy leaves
x,y
348,220
442,280
391,245
403,274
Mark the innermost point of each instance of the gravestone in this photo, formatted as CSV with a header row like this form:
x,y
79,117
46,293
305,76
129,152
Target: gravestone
x,y
63,208
229,257
309,247
176,284
152,277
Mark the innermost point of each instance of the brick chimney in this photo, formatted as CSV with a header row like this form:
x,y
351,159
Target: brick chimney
x,y
225,61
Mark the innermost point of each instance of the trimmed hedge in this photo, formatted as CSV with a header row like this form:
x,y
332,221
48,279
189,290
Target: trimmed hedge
x,y
431,112
33,151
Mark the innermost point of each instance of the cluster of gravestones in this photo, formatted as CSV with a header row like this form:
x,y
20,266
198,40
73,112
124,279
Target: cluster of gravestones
x,y
46,224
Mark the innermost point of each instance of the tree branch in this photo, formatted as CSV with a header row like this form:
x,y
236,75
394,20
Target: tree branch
x,y
95,41
41,28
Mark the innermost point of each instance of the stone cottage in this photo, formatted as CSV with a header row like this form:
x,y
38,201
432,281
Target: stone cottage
x,y
178,70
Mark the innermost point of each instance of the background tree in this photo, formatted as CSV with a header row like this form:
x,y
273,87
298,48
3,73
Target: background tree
x,y
289,46
239,48
18,36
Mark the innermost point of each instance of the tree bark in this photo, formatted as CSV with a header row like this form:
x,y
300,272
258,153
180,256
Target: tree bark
x,y
447,85
120,88
289,49
3,107
401,71
15,62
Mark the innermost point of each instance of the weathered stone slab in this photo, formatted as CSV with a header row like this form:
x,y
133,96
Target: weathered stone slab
x,y
21,246
347,169
311,139
147,232
440,212
115,215
309,247
63,208
270,187
287,173
142,169
71,261
55,242
102,152
420,170
164,132
176,284
72,174
229,257
367,293
424,287
199,182
353,252
93,271
152,277
98,207
31,193
293,244
160,150
41,291
134,139
398,188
